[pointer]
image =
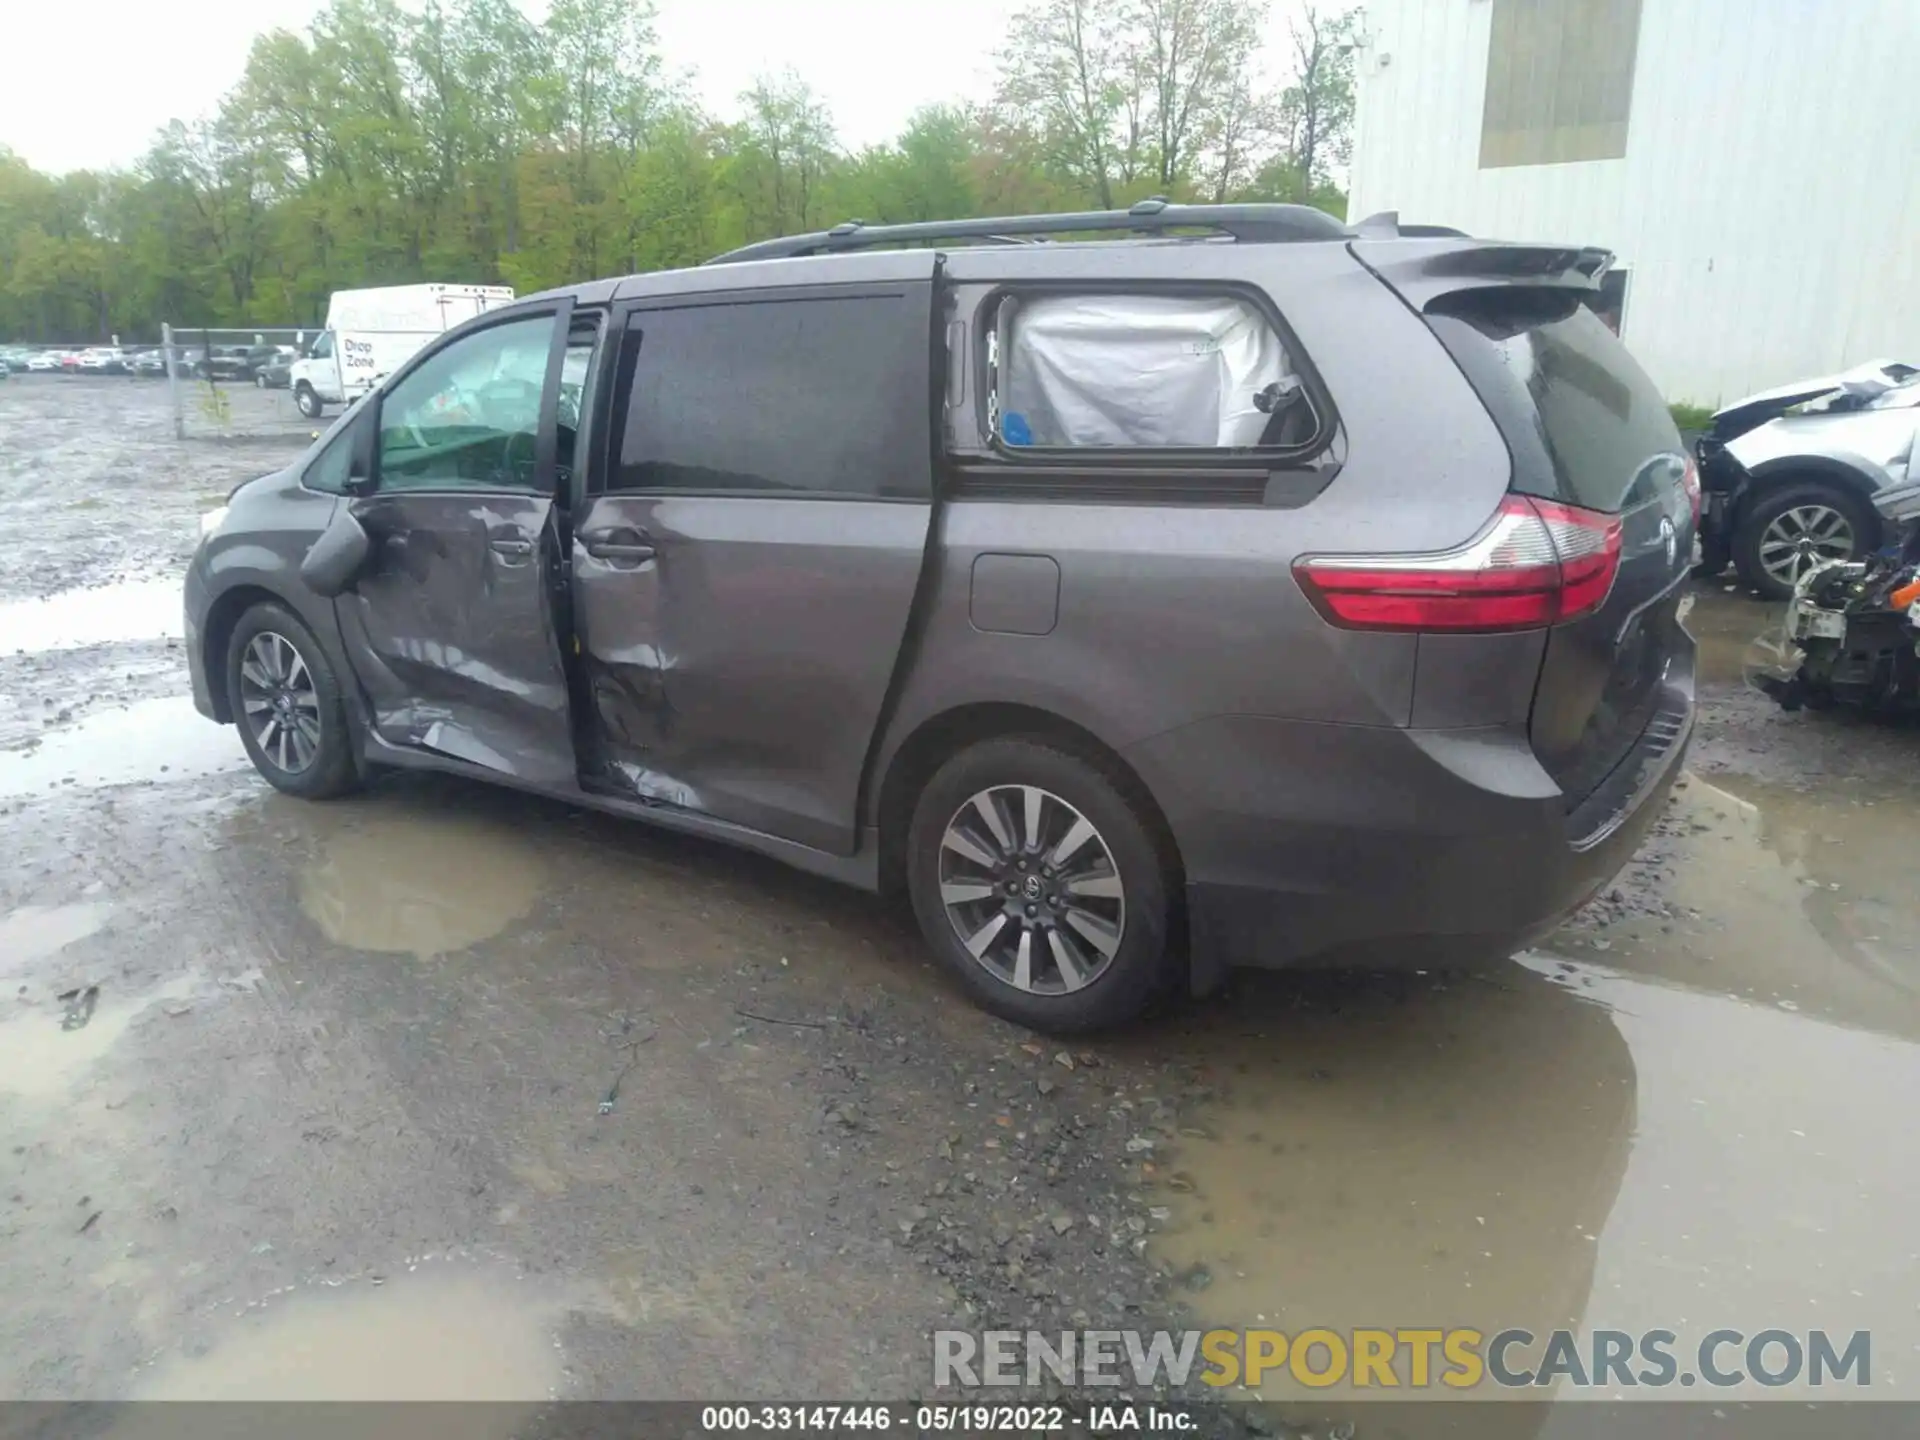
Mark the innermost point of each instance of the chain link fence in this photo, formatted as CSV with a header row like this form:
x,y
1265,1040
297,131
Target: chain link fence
x,y
234,382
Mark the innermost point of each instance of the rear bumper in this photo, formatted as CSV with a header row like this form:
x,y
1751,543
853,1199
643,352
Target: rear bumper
x,y
1367,846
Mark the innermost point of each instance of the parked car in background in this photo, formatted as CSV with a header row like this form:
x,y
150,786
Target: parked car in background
x,y
275,372
1790,474
1302,594
148,364
261,357
102,360
43,362
224,362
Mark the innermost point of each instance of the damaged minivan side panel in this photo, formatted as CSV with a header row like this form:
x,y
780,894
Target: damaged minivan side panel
x,y
743,579
452,630
450,624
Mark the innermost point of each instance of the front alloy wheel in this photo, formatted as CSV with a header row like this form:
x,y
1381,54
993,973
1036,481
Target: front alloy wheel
x,y
278,702
288,705
1801,538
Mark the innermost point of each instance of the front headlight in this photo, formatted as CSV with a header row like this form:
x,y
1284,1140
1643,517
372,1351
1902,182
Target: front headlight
x,y
211,521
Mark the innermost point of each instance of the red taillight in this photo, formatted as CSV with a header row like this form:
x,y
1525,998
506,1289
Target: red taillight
x,y
1691,479
1537,563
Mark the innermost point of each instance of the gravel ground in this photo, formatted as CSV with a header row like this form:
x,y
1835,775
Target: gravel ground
x,y
285,1079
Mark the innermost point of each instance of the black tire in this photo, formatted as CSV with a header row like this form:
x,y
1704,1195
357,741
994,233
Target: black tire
x,y
308,402
330,770
1792,495
1139,969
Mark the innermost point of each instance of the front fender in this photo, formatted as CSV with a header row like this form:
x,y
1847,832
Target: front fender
x,y
1865,449
272,525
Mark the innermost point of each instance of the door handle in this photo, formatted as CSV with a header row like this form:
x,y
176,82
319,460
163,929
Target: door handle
x,y
513,549
618,545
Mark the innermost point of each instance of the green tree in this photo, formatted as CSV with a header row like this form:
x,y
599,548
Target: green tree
x,y
1317,108
403,140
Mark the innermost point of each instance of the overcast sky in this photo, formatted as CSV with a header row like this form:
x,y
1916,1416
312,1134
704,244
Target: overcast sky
x,y
125,69
85,83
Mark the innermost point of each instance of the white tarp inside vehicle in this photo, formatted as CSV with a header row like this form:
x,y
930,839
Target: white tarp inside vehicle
x,y
1139,370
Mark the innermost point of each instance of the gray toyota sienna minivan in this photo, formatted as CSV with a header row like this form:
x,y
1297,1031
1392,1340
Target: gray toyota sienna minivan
x,y
1238,589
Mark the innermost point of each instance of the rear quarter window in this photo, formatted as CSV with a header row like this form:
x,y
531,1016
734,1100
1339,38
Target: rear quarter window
x,y
1585,424
1119,370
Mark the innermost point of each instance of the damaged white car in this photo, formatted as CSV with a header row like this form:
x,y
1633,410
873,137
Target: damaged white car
x,y
1790,474
1851,633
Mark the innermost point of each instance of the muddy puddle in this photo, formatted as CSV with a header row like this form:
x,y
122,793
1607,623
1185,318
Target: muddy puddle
x,y
404,882
1732,630
133,610
46,1048
33,932
1678,1123
423,1336
159,741
1799,899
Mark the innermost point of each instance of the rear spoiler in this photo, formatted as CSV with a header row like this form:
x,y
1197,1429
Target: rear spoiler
x,y
1424,269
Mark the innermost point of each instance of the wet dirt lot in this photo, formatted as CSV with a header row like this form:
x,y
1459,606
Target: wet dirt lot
x,y
305,1100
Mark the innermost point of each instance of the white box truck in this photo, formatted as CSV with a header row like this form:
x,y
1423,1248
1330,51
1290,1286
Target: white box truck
x,y
371,333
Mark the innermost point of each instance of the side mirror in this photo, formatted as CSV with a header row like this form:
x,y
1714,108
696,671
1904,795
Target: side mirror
x,y
335,560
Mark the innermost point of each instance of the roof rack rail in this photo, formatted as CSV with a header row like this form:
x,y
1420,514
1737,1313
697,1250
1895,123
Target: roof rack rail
x,y
1251,223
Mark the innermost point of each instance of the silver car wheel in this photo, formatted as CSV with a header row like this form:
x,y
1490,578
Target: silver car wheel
x,y
1032,890
1800,538
279,702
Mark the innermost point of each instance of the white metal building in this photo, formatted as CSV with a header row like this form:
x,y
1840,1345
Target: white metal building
x,y
1754,164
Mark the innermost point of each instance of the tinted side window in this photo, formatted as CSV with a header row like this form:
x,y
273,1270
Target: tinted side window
x,y
805,396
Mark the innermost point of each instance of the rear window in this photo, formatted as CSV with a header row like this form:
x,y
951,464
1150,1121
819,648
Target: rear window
x,y
1584,422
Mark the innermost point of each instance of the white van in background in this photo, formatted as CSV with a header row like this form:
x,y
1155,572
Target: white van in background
x,y
371,333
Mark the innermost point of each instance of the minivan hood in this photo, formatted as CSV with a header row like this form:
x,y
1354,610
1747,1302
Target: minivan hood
x,y
261,478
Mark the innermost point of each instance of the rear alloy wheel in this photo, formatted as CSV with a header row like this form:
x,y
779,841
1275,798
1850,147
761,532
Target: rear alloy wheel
x,y
287,705
1038,882
1032,890
1789,531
